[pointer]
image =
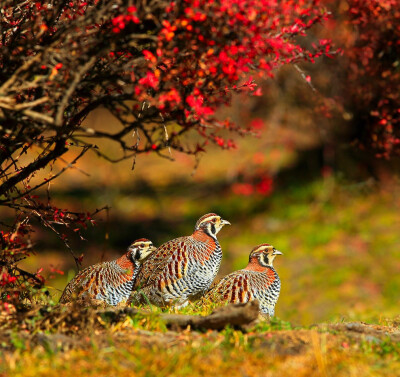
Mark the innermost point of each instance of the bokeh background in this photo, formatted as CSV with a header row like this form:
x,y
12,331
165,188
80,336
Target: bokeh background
x,y
300,183
339,236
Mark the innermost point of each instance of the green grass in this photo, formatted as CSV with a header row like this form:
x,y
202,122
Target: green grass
x,y
341,247
341,261
88,343
270,348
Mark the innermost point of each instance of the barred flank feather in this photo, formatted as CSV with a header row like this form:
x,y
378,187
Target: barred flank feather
x,y
183,268
258,280
111,282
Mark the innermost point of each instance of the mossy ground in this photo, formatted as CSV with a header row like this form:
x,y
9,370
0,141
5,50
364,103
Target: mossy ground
x,y
143,346
341,263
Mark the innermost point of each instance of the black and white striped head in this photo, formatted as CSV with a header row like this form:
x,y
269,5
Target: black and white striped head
x,y
140,249
211,224
265,254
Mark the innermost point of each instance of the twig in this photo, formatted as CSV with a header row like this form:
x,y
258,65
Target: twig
x,y
39,101
83,151
304,76
135,132
59,149
16,74
29,275
71,89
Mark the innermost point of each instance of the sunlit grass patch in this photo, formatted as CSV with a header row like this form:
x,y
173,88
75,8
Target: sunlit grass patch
x,y
284,352
341,246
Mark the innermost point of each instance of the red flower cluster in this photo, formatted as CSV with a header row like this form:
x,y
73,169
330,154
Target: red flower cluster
x,y
204,51
6,279
159,66
119,22
261,185
149,80
370,34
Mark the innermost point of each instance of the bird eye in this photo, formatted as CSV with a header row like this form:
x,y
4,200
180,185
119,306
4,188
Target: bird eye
x,y
142,245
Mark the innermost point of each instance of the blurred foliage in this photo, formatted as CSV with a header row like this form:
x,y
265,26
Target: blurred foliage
x,y
297,187
339,239
331,208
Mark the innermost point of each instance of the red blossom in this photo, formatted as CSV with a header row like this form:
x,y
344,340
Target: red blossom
x,y
196,104
257,124
265,186
149,55
259,183
245,189
149,80
160,67
170,99
371,48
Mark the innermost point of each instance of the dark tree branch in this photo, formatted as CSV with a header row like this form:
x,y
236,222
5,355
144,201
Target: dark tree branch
x,y
161,68
58,150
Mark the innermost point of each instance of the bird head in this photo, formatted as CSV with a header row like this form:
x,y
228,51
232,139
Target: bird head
x,y
265,254
140,249
211,224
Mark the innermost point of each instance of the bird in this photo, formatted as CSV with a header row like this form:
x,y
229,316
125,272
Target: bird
x,y
109,282
181,269
258,280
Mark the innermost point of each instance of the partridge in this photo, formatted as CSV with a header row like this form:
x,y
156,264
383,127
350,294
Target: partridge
x,y
258,280
181,269
110,282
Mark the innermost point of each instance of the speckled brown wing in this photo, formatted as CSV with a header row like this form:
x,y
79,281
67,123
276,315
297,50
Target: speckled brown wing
x,y
178,270
81,283
245,285
235,288
160,258
109,282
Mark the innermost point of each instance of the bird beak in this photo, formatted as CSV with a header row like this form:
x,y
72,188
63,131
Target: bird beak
x,y
225,222
277,252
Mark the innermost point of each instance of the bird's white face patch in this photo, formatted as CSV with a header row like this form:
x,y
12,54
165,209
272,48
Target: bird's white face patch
x,y
264,254
269,254
211,223
140,249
